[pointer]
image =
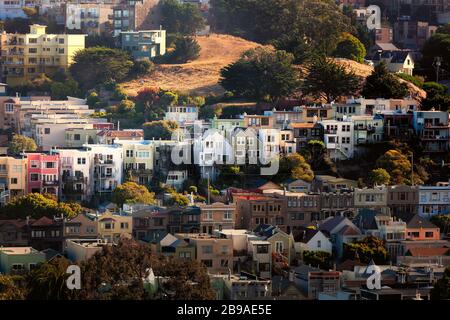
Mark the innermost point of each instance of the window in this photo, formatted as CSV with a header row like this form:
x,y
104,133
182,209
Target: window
x,y
319,244
77,137
184,255
46,130
81,160
224,250
9,107
50,165
208,215
429,234
34,177
108,226
17,266
124,225
207,249
32,40
262,248
129,153
227,215
61,41
279,246
32,50
61,50
224,263
208,263
13,180
32,266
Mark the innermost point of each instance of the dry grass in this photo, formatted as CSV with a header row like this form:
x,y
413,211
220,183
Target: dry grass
x,y
200,76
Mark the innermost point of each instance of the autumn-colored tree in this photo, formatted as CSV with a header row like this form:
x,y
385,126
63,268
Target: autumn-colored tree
x,y
366,250
130,193
160,129
298,167
397,165
379,177
321,259
36,205
10,289
20,143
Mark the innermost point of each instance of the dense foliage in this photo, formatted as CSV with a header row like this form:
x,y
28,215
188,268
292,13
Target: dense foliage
x,y
131,193
183,18
21,143
382,84
366,250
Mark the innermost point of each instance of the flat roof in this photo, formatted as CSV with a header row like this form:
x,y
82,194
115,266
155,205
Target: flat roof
x,y
17,250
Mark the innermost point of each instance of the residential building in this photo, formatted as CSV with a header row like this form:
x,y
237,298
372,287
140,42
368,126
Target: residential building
x,y
246,286
46,233
13,178
245,145
298,186
339,138
150,224
138,159
226,126
135,15
372,198
282,245
307,239
325,183
144,44
216,216
14,232
183,220
18,260
176,179
75,167
315,113
287,142
305,132
341,231
258,121
213,252
433,200
76,137
107,167
81,227
335,204
283,118
13,9
80,250
260,252
384,35
412,34
108,136
25,56
368,130
420,229
398,125
403,200
313,281
396,61
432,128
113,227
172,246
43,173
89,18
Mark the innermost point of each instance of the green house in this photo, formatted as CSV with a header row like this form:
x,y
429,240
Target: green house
x,y
14,260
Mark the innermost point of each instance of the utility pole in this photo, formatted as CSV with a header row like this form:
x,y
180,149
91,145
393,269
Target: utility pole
x,y
437,65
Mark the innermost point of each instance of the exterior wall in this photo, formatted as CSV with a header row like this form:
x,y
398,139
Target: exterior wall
x,y
144,44
421,234
371,198
434,200
261,253
217,216
24,256
90,18
112,227
138,159
403,199
81,227
79,251
339,139
43,173
13,178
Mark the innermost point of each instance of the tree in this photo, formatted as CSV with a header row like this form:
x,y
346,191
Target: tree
x,y
36,205
131,193
48,281
366,250
183,18
382,84
321,259
397,165
98,65
378,177
126,106
261,73
20,143
442,221
314,153
149,98
186,49
9,289
350,47
295,166
437,45
92,99
117,272
437,97
143,67
161,129
329,80
441,289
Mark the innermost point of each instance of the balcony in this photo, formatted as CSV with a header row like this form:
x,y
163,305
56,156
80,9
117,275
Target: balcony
x,y
330,131
427,137
142,171
50,183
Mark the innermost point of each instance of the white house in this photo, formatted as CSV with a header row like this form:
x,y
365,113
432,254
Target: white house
x,y
107,164
245,146
261,253
312,240
339,138
181,114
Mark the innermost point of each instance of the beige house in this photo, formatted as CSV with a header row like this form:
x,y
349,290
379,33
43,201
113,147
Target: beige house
x,y
283,245
113,227
81,227
25,56
138,159
215,253
13,177
217,216
397,61
372,198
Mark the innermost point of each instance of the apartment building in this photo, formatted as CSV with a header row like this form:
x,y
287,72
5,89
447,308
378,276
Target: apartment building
x,y
372,198
25,56
135,15
82,226
89,18
420,229
109,136
368,129
183,220
433,130
14,232
334,204
138,159
80,250
76,169
226,126
216,216
258,121
46,233
77,137
283,118
19,260
316,113
246,144
43,173
149,224
433,200
213,252
13,178
339,138
246,286
107,167
10,9
403,200
144,44
260,252
113,227
398,125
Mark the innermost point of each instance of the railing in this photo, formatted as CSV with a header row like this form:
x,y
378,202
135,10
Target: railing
x,y
50,183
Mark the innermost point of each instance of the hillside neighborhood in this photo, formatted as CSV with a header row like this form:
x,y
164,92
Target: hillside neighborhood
x,y
225,149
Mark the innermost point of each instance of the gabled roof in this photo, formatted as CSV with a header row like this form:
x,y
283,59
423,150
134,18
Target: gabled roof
x,y
386,46
121,134
265,230
349,231
331,223
44,221
418,222
427,252
305,235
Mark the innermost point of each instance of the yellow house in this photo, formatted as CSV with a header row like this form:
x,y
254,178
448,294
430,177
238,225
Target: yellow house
x,y
112,227
13,177
138,158
25,56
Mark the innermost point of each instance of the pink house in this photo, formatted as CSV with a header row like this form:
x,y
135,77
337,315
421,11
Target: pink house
x,y
43,173
419,228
